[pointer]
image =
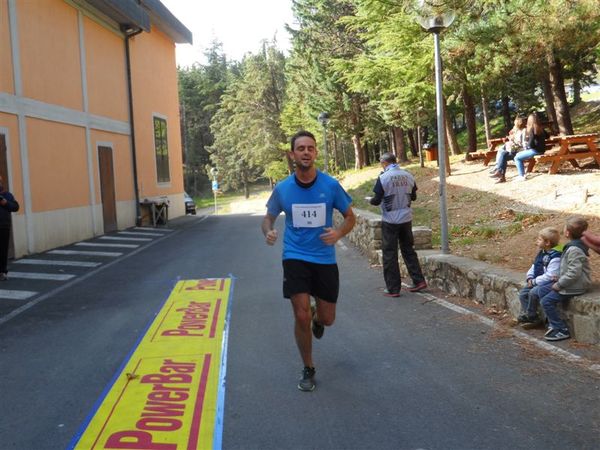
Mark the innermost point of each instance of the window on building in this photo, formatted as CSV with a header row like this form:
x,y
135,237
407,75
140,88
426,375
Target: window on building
x,y
162,150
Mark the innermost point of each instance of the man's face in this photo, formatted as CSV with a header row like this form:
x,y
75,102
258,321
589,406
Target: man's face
x,y
305,152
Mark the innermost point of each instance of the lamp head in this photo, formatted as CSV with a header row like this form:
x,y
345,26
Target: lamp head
x,y
434,15
323,118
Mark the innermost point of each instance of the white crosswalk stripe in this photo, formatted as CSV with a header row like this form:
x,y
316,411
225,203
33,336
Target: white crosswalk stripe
x,y
139,233
101,244
50,262
42,276
115,238
16,295
165,230
84,252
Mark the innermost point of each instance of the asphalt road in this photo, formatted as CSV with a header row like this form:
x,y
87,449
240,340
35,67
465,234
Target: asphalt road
x,y
401,373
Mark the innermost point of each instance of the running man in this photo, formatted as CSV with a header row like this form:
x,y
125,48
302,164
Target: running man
x,y
308,198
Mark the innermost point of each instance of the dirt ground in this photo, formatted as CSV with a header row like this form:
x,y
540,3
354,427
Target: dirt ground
x,y
473,198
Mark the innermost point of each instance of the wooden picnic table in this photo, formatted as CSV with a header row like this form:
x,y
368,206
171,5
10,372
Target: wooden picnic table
x,y
491,151
568,148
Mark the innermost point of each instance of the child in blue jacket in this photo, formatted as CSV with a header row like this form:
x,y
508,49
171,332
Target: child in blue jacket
x,y
540,276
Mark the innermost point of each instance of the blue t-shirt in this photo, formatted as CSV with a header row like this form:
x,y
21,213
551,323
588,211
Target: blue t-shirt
x,y
308,210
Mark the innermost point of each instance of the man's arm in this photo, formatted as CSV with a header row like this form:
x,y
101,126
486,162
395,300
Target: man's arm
x,y
592,241
267,228
378,190
332,235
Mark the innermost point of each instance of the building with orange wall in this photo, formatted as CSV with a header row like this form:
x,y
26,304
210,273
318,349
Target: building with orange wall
x,y
89,116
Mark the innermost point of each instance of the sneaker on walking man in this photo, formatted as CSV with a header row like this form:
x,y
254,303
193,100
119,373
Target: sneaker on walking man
x,y
394,190
308,198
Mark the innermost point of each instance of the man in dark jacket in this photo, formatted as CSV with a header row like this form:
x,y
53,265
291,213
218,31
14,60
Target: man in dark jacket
x,y
394,190
8,205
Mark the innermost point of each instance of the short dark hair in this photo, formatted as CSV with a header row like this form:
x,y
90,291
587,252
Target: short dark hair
x,y
299,134
388,157
576,226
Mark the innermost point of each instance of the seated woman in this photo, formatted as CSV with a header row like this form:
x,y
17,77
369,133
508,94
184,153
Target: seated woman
x,y
514,142
535,144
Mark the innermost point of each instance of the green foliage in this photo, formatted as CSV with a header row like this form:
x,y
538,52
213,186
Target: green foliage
x,y
277,170
247,127
371,67
200,90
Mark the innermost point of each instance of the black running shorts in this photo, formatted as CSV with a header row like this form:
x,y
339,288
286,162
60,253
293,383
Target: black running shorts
x,y
319,280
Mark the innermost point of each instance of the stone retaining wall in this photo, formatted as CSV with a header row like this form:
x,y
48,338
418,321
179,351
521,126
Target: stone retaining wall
x,y
489,285
366,234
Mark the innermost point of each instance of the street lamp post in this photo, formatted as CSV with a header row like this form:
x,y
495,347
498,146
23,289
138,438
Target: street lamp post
x,y
324,120
434,16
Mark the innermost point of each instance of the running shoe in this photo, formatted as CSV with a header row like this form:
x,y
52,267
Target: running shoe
x,y
317,328
418,287
387,293
524,318
557,335
307,381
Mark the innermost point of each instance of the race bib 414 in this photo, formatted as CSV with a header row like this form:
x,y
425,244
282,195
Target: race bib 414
x,y
308,215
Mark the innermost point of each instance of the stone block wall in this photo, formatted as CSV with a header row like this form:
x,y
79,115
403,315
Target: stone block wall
x,y
366,234
497,287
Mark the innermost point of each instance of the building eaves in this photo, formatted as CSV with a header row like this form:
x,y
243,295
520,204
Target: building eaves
x,y
165,21
141,14
123,12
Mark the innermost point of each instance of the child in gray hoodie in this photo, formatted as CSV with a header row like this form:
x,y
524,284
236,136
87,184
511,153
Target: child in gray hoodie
x,y
574,278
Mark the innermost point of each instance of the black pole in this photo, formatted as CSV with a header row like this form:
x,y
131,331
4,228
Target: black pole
x,y
128,35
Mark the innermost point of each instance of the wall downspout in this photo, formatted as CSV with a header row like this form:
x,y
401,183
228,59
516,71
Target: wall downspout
x,y
129,33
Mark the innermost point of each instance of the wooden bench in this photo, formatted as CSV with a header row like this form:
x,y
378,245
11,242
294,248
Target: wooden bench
x,y
568,148
489,154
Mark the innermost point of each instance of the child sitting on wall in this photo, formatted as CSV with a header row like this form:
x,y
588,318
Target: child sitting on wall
x,y
574,278
540,276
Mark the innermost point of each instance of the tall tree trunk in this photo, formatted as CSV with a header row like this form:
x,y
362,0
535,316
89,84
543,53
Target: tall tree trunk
x,y
412,141
335,152
549,101
400,144
486,120
392,141
366,154
451,141
471,120
344,157
561,105
359,151
576,90
420,147
290,163
506,114
246,184
359,159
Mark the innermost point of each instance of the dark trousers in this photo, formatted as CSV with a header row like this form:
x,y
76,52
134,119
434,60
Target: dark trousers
x,y
4,239
392,236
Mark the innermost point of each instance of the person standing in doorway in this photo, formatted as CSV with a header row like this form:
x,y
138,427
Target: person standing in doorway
x,y
394,190
8,205
308,198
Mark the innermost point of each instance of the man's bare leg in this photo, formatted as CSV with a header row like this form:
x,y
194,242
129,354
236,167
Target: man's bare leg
x,y
302,332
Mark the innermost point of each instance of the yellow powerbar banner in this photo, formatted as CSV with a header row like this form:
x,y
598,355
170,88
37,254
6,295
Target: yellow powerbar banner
x,y
167,395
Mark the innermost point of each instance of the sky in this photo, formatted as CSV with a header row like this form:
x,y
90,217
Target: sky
x,y
239,24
